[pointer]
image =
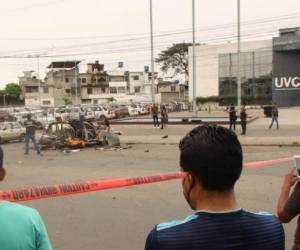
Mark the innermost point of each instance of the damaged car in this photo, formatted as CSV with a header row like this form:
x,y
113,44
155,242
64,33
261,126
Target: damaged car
x,y
76,134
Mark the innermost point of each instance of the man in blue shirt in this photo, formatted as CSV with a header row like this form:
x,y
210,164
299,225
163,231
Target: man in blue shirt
x,y
211,159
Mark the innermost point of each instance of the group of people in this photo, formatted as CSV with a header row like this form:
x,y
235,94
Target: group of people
x,y
243,117
211,160
155,111
233,118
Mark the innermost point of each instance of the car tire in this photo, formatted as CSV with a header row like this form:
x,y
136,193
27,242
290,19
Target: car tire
x,y
102,117
22,138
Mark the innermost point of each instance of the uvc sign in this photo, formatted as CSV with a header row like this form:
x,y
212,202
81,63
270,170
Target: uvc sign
x,y
286,82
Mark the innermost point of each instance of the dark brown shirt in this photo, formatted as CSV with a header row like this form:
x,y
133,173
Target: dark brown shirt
x,y
154,110
30,126
293,207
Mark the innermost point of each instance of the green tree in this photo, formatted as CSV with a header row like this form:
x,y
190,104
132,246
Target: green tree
x,y
175,58
67,101
13,90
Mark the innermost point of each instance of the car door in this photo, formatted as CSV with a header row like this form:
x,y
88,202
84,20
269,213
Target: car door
x,y
17,130
7,132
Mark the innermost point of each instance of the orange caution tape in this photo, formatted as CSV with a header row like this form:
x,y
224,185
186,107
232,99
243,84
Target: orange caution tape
x,y
36,193
261,164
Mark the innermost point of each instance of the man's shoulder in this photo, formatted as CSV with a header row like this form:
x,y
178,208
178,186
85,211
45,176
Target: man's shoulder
x,y
14,208
205,226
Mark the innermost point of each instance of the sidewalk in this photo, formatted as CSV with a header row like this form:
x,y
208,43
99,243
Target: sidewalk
x,y
258,132
245,141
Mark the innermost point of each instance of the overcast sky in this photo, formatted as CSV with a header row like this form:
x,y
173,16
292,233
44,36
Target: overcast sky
x,y
117,30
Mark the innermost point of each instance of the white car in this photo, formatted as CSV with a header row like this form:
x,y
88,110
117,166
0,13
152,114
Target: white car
x,y
10,131
101,112
133,110
72,113
141,109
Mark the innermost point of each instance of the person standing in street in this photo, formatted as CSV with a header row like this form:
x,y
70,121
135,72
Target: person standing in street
x,y
21,227
243,117
164,120
154,111
275,114
30,126
232,117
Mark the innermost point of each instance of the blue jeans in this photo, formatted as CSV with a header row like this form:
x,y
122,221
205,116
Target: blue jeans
x,y
274,119
32,138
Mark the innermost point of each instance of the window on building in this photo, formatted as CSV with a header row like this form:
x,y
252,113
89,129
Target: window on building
x,y
101,79
113,90
83,80
136,78
46,102
173,88
95,102
31,89
68,91
67,79
122,90
102,90
46,90
90,91
137,89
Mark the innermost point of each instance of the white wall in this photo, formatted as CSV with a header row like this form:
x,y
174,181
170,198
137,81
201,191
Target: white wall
x,y
207,64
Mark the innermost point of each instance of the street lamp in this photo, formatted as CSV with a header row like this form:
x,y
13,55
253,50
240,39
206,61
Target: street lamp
x,y
194,61
152,52
4,100
239,94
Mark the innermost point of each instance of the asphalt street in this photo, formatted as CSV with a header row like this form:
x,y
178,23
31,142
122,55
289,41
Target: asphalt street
x,y
121,218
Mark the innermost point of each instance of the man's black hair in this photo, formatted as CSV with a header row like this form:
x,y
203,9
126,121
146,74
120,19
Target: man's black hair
x,y
1,158
212,154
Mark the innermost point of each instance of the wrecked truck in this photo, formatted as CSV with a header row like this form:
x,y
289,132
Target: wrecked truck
x,y
76,134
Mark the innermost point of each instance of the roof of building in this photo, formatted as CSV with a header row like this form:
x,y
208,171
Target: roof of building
x,y
63,64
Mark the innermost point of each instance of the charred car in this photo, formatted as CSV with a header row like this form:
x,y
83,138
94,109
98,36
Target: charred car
x,y
76,134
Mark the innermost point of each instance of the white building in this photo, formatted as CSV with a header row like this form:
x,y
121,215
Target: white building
x,y
207,64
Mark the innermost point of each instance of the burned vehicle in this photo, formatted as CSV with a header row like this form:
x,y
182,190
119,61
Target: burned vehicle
x,y
76,134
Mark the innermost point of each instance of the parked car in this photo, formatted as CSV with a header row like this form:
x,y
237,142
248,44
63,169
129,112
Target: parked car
x,y
133,110
101,112
10,131
6,116
120,111
72,113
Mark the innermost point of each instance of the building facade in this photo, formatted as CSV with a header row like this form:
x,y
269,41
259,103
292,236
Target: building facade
x,y
216,67
269,69
172,91
65,84
286,67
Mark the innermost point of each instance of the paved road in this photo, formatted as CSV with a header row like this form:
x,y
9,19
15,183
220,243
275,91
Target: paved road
x,y
121,218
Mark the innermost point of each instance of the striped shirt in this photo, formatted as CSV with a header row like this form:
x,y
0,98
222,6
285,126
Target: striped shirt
x,y
238,229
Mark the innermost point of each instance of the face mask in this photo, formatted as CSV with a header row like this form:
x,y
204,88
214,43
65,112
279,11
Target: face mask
x,y
187,193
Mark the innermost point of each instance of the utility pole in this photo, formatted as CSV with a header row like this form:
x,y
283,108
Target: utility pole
x,y
76,83
194,61
38,76
152,52
239,94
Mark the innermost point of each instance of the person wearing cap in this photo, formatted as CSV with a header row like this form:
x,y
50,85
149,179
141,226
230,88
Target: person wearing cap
x,y
21,227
